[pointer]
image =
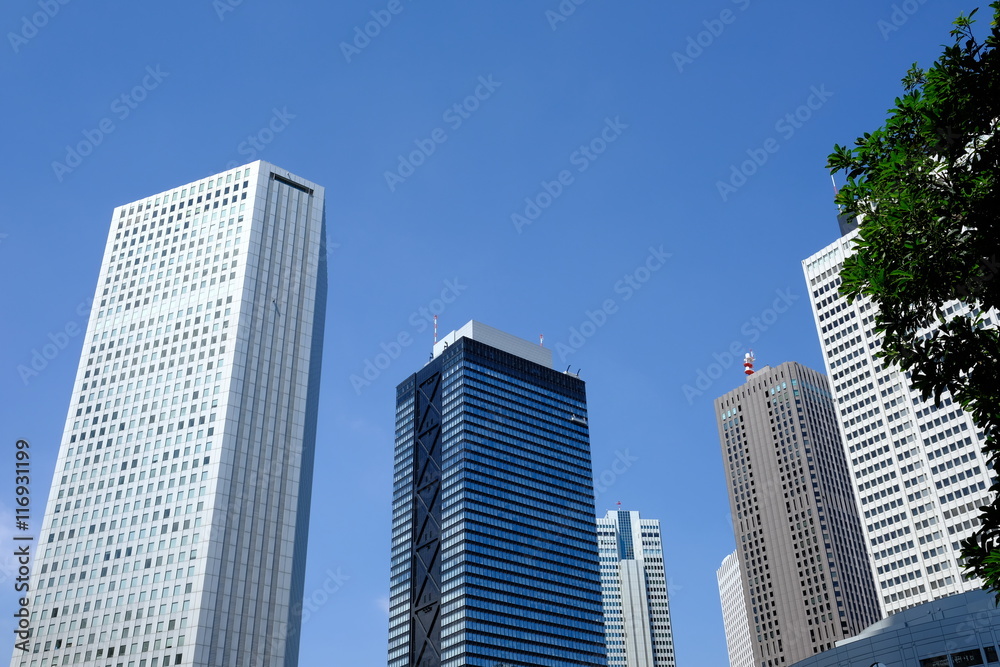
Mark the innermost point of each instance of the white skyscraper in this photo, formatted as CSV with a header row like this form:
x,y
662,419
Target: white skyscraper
x,y
734,612
175,530
634,586
918,472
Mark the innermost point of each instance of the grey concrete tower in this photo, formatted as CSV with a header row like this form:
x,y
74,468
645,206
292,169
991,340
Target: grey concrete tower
x,y
799,542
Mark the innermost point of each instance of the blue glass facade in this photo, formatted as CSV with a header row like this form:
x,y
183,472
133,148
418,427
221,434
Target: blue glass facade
x,y
512,577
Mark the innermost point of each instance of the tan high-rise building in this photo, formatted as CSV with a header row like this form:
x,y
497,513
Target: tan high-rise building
x,y
799,543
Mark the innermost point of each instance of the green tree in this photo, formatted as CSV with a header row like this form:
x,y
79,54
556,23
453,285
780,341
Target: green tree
x,y
925,188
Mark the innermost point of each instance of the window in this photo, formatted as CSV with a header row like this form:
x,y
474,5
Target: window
x,y
967,658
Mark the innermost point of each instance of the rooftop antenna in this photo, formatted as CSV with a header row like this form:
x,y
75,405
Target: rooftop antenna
x,y
748,364
847,222
435,329
541,339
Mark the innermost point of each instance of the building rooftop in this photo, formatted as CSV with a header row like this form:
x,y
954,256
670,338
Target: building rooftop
x,y
498,339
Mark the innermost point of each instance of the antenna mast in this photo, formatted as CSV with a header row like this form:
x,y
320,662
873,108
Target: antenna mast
x,y
748,364
836,192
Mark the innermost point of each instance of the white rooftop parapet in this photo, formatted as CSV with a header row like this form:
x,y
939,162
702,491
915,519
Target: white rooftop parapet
x,y
498,339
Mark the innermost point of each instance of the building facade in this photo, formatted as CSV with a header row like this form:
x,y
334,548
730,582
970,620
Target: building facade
x,y
494,554
175,530
917,470
961,630
799,543
636,603
734,612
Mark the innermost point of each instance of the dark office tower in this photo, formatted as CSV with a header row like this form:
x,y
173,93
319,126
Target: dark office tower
x,y
494,554
799,541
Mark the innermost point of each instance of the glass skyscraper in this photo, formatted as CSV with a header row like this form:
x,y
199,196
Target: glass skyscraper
x,y
175,530
494,552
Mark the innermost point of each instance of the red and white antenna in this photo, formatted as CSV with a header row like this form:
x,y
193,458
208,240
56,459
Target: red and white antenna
x,y
836,191
748,363
541,339
435,329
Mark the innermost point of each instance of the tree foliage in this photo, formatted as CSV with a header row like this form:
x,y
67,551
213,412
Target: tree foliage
x,y
925,187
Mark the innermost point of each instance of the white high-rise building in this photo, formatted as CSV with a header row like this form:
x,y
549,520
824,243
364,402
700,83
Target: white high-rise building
x,y
734,612
175,529
917,469
634,587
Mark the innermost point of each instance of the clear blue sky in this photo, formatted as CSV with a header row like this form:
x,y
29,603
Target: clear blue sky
x,y
613,121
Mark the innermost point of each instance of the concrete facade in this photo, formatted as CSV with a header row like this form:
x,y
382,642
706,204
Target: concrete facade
x,y
917,469
734,612
175,530
634,584
802,559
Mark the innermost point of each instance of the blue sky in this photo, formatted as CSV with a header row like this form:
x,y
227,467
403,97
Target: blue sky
x,y
654,169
